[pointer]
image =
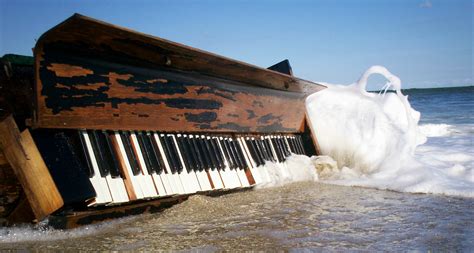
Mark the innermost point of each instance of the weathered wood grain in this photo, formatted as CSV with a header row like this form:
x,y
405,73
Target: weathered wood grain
x,y
30,169
90,74
120,43
3,160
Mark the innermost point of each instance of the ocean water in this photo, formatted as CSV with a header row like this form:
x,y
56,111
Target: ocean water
x,y
413,192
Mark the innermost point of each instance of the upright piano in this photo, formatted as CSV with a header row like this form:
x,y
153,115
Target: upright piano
x,y
123,122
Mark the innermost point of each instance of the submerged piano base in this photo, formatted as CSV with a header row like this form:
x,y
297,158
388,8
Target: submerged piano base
x,y
77,218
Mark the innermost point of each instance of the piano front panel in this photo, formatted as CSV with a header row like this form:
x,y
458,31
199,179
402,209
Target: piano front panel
x,y
77,89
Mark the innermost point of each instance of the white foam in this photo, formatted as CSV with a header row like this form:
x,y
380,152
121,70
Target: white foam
x,y
435,130
42,232
296,168
373,137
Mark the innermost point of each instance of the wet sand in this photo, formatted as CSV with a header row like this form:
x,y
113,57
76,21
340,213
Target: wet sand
x,y
298,216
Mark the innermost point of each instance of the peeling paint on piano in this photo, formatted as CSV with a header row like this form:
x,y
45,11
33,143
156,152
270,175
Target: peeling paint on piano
x,y
134,83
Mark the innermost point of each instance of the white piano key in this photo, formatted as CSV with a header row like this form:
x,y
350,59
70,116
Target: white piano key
x,y
216,179
190,176
173,179
116,188
202,177
99,183
233,172
159,185
272,148
244,182
148,186
230,174
213,173
248,158
263,170
135,181
226,180
285,138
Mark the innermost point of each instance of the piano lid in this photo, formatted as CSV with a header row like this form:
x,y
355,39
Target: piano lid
x,y
93,75
120,43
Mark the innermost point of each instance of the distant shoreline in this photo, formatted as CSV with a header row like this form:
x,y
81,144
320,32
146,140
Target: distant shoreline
x,y
467,87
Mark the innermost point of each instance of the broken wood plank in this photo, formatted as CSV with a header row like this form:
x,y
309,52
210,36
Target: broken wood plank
x,y
30,169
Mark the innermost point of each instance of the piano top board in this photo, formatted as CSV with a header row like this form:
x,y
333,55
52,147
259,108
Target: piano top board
x,y
90,74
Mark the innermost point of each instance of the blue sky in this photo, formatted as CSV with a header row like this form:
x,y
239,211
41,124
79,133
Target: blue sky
x,y
427,43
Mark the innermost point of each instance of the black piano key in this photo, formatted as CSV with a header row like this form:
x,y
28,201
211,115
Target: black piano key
x,y
85,152
291,141
239,153
98,152
107,151
268,147
266,155
199,153
192,153
132,159
169,154
299,149
233,153
218,153
227,154
253,152
153,160
157,154
300,144
282,147
174,151
277,149
145,152
185,154
211,153
112,155
232,160
259,152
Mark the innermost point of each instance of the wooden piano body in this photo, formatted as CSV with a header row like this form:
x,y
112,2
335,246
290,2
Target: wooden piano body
x,y
90,75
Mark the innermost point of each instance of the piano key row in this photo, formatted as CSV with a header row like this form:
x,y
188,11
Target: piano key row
x,y
129,165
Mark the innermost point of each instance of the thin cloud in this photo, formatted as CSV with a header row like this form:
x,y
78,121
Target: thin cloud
x,y
426,4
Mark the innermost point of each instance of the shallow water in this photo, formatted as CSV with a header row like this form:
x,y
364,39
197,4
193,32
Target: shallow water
x,y
298,216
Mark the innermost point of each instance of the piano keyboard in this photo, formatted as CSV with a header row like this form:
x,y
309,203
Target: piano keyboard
x,y
129,165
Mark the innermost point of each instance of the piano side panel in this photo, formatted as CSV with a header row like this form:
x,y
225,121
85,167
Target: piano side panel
x,y
78,91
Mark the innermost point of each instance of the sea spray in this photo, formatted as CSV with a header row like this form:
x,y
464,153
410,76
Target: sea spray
x,y
372,138
365,131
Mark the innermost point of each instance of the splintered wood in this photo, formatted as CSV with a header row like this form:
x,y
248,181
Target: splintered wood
x,y
22,154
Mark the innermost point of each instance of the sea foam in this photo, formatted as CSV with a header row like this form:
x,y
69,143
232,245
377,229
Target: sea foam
x,y
373,139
